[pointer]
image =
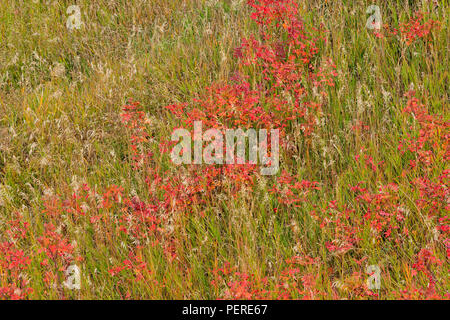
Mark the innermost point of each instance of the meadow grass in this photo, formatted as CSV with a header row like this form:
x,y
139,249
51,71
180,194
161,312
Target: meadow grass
x,y
61,97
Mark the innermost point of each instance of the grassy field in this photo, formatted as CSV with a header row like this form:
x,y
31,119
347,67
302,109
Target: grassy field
x,y
362,193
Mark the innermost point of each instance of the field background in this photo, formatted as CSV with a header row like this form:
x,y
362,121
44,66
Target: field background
x,y
61,99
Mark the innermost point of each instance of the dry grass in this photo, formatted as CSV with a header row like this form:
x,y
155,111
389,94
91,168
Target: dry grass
x,y
61,96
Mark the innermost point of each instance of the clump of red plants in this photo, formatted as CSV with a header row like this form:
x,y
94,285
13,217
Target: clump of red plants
x,y
419,26
281,81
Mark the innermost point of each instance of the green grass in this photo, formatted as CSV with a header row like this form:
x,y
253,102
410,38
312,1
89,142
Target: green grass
x,y
59,129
